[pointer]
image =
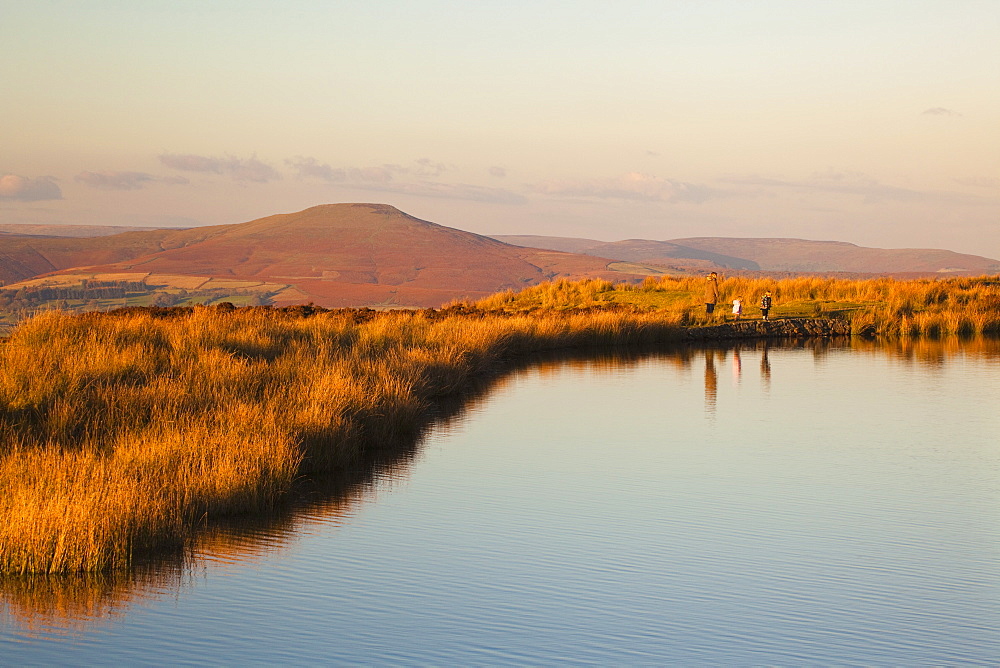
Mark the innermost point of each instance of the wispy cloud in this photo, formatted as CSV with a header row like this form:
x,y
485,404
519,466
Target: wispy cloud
x,y
498,172
939,111
632,186
240,169
311,168
427,168
124,180
854,184
23,189
991,182
462,191
412,179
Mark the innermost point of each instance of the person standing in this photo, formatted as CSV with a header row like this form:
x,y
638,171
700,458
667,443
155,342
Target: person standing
x,y
737,308
765,305
711,292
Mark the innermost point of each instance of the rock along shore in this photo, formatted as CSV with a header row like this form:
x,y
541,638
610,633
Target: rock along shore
x,y
759,329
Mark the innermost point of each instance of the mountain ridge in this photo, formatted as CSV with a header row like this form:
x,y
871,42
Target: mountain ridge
x,y
332,255
364,254
778,254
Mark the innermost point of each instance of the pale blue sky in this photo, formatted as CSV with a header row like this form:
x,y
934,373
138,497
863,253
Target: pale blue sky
x,y
873,122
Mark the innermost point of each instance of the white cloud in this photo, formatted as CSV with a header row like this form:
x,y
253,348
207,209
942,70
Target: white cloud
x,y
240,169
855,184
939,111
396,178
123,180
460,191
311,168
426,168
991,182
632,186
23,189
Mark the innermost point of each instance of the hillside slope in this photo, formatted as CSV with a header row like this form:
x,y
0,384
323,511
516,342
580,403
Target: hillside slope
x,y
785,255
634,250
23,257
804,256
339,255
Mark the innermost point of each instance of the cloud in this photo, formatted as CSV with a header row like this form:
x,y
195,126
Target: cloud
x,y
498,172
460,191
123,180
310,168
939,111
408,180
23,189
192,163
633,186
240,169
383,174
251,169
856,184
980,181
428,169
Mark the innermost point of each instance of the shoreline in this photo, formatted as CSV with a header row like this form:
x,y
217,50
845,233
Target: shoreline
x,y
208,413
769,329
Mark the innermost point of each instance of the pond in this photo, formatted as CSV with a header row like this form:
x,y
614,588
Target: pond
x,y
812,503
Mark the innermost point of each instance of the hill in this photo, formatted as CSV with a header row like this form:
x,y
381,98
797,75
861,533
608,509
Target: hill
x,y
800,255
23,257
332,255
635,250
773,255
57,230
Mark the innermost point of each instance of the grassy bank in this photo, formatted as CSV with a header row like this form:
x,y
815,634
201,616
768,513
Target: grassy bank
x,y
122,434
877,307
125,433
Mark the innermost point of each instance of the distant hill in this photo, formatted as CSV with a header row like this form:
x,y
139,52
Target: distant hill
x,y
634,250
24,257
332,255
55,230
802,255
375,255
776,255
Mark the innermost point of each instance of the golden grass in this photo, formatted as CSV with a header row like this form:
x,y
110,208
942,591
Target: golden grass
x,y
123,433
880,307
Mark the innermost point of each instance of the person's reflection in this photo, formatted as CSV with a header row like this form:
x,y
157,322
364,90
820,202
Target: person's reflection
x,y
737,366
711,382
765,370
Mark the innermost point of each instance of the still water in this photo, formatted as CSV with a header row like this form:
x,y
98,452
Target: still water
x,y
784,505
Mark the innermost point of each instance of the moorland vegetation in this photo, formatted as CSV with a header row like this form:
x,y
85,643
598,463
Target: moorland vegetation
x,y
125,433
874,307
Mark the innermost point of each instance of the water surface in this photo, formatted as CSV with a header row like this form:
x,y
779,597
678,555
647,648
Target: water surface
x,y
813,504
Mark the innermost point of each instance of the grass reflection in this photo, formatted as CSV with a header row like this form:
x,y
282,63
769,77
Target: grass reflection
x,y
78,601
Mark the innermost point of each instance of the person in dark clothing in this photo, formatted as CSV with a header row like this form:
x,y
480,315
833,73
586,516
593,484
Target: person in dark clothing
x,y
765,305
711,292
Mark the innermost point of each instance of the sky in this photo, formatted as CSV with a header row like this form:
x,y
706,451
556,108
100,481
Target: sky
x,y
875,122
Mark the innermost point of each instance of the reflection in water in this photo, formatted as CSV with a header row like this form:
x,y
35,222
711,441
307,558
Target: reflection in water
x,y
765,368
78,602
74,602
711,383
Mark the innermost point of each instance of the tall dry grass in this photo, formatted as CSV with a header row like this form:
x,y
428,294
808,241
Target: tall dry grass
x,y
124,434
881,306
